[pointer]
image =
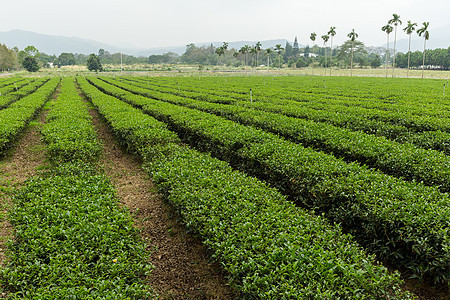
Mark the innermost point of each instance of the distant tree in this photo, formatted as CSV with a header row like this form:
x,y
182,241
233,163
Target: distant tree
x,y
166,58
44,59
101,53
30,64
426,35
344,52
279,49
325,39
32,51
244,50
29,51
295,47
288,52
352,36
301,62
313,39
220,51
65,59
396,21
253,51
93,63
267,52
258,49
375,62
388,29
8,58
331,33
409,29
306,51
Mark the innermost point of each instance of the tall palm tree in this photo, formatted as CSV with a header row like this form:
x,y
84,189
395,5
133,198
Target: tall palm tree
x,y
325,39
426,36
352,36
258,49
396,21
253,51
313,39
268,51
388,29
278,48
331,33
243,51
409,29
220,51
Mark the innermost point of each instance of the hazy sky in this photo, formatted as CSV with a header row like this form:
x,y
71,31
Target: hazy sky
x,y
152,23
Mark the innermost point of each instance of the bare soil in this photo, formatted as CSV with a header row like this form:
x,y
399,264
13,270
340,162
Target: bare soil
x,y
182,265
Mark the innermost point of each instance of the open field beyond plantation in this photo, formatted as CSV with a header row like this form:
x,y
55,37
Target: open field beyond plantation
x,y
182,184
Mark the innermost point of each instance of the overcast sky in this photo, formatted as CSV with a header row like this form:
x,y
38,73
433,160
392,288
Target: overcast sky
x,y
152,23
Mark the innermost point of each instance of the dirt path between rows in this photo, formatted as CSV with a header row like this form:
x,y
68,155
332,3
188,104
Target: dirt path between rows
x,y
20,163
182,266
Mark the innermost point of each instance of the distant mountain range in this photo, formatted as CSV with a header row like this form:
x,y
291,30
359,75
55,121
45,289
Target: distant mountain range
x,y
54,44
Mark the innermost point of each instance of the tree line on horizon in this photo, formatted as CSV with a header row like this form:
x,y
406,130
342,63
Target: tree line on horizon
x,y
351,53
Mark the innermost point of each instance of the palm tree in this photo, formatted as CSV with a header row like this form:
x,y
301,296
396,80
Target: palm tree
x,y
396,21
220,51
253,51
325,38
268,51
242,51
258,49
388,29
426,36
409,29
331,33
278,48
313,39
352,36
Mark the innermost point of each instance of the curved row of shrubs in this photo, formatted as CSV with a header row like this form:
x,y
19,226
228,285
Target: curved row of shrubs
x,y
15,117
377,95
9,98
69,133
406,223
72,239
270,248
5,81
324,112
401,160
13,86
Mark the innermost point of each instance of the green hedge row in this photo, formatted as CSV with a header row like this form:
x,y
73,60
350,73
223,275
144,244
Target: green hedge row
x,y
345,116
271,248
14,118
72,240
403,222
401,160
14,86
6,100
9,80
421,98
69,133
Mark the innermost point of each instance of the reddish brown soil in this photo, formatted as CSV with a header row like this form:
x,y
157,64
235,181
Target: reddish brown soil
x,y
182,266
